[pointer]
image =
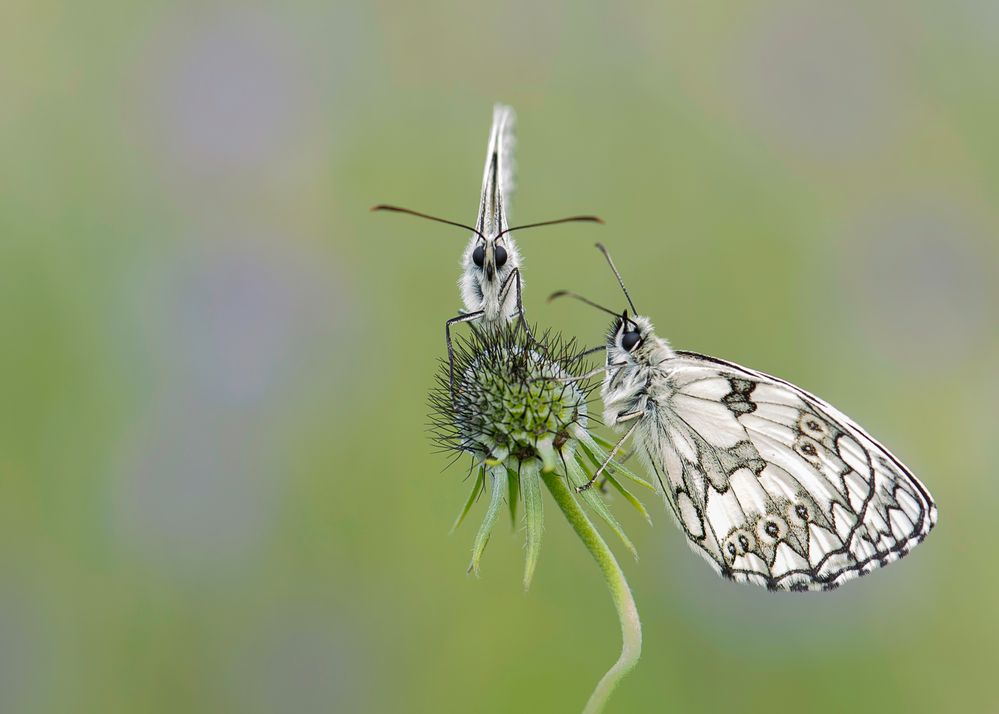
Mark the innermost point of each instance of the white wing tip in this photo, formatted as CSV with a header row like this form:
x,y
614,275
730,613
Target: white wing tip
x,y
504,112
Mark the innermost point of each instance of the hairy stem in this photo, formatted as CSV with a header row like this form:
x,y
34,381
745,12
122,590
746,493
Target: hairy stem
x,y
631,627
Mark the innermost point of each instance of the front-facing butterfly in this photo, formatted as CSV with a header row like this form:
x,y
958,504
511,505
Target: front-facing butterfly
x,y
770,484
491,284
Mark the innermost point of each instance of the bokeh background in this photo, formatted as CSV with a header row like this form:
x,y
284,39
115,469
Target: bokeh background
x,y
216,488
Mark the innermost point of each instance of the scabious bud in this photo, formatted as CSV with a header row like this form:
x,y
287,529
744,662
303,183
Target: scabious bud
x,y
513,400
519,409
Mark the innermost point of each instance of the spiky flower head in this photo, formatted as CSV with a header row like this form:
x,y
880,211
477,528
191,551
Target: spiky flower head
x,y
513,398
519,410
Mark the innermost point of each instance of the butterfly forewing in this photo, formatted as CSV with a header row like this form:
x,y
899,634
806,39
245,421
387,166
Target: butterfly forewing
x,y
497,175
771,484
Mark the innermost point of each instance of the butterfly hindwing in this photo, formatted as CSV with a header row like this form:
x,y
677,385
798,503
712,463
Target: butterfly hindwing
x,y
774,486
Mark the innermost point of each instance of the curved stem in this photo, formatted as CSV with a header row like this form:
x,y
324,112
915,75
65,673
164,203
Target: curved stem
x,y
631,627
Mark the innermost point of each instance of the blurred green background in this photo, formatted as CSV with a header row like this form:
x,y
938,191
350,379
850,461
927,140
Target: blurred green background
x,y
216,488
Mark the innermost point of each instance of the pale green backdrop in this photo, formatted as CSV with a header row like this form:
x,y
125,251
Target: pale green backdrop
x,y
216,488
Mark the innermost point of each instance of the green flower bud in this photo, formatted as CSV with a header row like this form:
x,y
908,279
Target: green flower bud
x,y
519,411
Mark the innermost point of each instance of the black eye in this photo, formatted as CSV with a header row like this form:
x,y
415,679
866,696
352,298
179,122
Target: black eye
x,y
478,255
500,256
629,340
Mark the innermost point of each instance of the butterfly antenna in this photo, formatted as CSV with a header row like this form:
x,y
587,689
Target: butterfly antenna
x,y
397,209
570,219
577,296
602,249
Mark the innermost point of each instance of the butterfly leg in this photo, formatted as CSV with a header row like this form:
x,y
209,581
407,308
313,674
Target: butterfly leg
x,y
579,378
592,350
627,455
467,317
569,380
628,416
610,456
514,279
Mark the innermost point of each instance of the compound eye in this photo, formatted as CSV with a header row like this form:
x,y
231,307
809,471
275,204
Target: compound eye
x,y
629,340
479,255
500,256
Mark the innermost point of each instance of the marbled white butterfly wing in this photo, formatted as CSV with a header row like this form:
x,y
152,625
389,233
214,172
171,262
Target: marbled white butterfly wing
x,y
497,176
774,486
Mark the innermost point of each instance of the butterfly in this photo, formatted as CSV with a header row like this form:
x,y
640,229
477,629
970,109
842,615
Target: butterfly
x,y
770,484
491,284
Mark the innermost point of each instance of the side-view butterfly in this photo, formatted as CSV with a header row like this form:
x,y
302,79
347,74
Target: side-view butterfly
x,y
491,284
770,484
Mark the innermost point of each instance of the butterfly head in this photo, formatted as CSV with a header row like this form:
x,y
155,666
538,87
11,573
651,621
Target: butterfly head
x,y
631,339
487,268
490,259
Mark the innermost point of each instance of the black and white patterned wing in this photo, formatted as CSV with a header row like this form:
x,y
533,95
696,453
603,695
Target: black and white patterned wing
x,y
774,486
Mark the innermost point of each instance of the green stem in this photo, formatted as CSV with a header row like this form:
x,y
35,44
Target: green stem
x,y
631,627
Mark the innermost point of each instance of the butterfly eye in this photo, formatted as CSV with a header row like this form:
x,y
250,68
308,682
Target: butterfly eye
x,y
630,339
500,256
479,255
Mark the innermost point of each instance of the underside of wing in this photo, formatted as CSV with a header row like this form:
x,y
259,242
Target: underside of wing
x,y
497,177
774,486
